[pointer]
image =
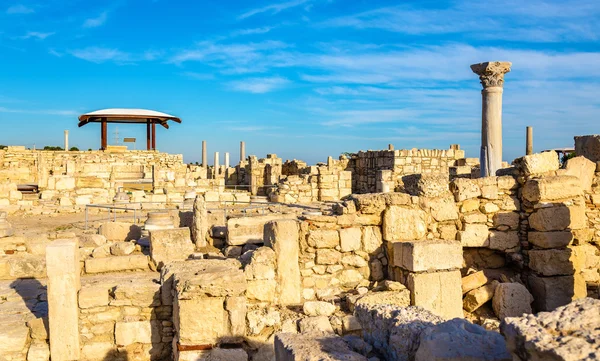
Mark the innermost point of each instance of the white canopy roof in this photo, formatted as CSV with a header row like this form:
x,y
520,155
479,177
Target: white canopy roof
x,y
123,115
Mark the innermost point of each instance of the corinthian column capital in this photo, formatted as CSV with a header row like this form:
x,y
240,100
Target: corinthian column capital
x,y
491,73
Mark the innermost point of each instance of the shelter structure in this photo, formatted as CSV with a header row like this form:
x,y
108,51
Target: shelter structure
x,y
119,115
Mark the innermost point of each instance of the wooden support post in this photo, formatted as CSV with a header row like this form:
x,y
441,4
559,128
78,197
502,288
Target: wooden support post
x,y
148,137
103,134
153,136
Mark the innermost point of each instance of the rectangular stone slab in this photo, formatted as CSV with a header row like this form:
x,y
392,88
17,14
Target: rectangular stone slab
x,y
429,255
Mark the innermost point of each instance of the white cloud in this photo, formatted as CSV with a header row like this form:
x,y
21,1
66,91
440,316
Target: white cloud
x,y
19,9
97,21
530,21
41,111
198,76
36,34
100,55
253,31
273,8
259,85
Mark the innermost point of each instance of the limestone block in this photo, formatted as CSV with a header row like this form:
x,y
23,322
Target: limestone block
x,y
583,169
489,208
400,298
473,281
568,333
120,231
558,218
200,328
318,324
282,236
206,278
62,263
469,205
464,188
93,296
511,300
538,163
447,232
122,248
64,183
262,290
91,240
167,245
552,292
428,255
116,264
548,189
127,333
550,239
508,219
245,230
354,261
200,221
39,328
13,339
318,308
38,351
474,217
215,354
350,239
350,324
299,347
404,223
457,340
504,241
555,262
372,203
97,351
479,296
324,239
474,235
441,208
372,240
438,292
237,308
328,256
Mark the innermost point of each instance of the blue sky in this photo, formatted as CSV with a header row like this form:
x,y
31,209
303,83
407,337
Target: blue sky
x,y
301,78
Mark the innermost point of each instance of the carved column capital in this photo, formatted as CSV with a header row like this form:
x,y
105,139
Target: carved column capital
x,y
491,73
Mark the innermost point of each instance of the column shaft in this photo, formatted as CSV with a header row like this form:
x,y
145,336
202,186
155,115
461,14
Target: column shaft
x,y
491,131
529,141
242,151
204,154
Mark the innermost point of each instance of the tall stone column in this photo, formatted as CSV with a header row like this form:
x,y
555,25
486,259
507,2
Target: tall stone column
x,y
66,140
226,159
529,141
242,151
491,75
204,154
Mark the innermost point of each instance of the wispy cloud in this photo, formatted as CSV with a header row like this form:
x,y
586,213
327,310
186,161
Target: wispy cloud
x,y
36,35
41,111
98,54
197,76
259,85
19,9
273,8
97,21
252,31
530,21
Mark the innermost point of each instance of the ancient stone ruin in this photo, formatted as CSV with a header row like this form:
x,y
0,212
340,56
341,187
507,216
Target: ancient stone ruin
x,y
119,255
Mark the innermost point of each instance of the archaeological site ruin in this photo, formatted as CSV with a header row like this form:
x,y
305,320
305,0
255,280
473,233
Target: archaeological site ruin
x,y
393,254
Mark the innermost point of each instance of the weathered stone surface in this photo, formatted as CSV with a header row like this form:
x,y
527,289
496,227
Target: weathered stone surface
x,y
216,354
550,239
328,256
38,351
428,255
558,218
206,278
13,339
324,239
262,290
299,347
568,333
464,189
479,258
458,340
479,296
93,296
97,351
438,292
552,292
62,260
511,300
245,230
400,298
318,308
199,221
395,331
91,240
548,189
441,208
200,328
282,236
350,278
554,262
473,281
583,169
372,240
120,231
474,235
127,333
318,324
508,219
504,241
538,163
167,245
122,248
116,264
350,239
403,223
474,217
